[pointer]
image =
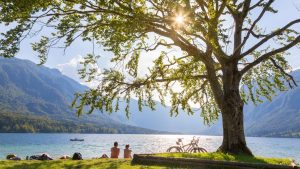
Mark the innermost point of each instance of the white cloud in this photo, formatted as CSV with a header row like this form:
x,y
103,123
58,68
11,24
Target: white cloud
x,y
71,68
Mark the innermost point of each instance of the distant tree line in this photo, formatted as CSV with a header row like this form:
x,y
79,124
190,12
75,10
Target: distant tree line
x,y
293,133
21,123
28,123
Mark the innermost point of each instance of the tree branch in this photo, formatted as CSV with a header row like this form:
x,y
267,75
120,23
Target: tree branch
x,y
290,77
251,28
270,54
150,81
256,5
268,37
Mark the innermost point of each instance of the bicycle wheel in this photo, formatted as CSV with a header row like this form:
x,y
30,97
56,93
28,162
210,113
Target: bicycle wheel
x,y
203,150
174,149
198,150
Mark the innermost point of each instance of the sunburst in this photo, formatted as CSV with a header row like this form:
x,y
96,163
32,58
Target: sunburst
x,y
179,19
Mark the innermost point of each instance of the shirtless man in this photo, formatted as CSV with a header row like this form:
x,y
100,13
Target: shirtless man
x,y
127,152
115,151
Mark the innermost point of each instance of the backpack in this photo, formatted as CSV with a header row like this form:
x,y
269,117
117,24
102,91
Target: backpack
x,y
77,156
9,156
44,157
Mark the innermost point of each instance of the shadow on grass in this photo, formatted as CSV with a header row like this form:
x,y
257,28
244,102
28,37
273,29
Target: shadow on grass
x,y
205,160
174,166
147,165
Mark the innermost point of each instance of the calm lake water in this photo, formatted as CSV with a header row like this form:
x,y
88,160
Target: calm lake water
x,y
94,145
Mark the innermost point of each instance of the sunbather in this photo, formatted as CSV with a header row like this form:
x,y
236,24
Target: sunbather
x,y
115,151
127,152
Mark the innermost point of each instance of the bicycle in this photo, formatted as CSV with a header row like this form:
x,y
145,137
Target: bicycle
x,y
192,147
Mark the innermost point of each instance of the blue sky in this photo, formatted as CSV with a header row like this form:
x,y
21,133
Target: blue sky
x,y
67,61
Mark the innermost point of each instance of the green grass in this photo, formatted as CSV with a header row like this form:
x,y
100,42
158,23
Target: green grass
x,y
228,157
70,164
126,164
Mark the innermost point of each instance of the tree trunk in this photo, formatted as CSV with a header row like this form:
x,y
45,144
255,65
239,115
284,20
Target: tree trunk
x,y
232,117
233,133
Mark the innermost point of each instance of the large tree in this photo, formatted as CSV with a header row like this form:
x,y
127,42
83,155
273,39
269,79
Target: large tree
x,y
225,58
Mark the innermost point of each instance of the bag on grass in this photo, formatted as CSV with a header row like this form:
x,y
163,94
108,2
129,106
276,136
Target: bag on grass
x,y
77,156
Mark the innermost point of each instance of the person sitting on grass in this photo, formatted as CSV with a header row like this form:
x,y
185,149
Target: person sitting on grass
x,y
115,151
127,152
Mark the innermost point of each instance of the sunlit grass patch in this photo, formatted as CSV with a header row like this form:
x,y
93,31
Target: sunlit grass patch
x,y
228,157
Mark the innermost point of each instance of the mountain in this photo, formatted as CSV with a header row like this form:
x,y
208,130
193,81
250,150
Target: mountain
x,y
38,91
160,119
279,117
37,99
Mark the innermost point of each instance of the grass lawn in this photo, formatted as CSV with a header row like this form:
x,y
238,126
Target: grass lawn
x,y
126,164
228,157
70,164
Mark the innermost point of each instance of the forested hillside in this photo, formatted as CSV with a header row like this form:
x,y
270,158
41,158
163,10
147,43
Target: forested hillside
x,y
37,99
21,123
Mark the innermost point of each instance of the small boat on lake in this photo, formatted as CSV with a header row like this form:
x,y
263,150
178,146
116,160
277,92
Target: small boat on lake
x,y
77,139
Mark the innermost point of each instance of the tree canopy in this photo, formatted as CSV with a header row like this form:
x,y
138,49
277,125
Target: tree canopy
x,y
225,52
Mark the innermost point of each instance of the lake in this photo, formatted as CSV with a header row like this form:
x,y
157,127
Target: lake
x,y
94,145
